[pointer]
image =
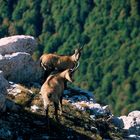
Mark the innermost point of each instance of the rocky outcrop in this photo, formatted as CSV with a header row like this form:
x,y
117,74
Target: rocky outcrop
x,y
16,61
130,123
20,67
16,64
4,102
18,43
98,119
3,92
84,100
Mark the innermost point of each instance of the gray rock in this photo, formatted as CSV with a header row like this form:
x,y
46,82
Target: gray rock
x,y
20,67
126,121
5,134
17,43
3,92
17,65
135,114
118,122
107,110
98,110
133,137
10,105
130,123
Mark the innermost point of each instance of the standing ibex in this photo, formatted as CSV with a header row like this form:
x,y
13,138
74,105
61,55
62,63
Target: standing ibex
x,y
53,88
51,62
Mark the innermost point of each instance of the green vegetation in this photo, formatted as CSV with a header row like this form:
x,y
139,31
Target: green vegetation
x,y
110,29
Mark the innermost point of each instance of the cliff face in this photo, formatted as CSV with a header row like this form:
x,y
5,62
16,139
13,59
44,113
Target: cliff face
x,y
82,117
24,117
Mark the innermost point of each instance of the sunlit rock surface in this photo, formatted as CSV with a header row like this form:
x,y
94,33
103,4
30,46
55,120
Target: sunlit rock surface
x,y
17,43
20,67
16,59
130,123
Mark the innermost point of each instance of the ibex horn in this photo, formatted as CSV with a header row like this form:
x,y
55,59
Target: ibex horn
x,y
76,66
81,48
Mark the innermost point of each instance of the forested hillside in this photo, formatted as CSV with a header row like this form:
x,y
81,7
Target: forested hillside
x,y
109,29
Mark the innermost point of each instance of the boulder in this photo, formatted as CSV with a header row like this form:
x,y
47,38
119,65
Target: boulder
x,y
130,123
20,67
16,59
126,122
3,92
134,114
17,43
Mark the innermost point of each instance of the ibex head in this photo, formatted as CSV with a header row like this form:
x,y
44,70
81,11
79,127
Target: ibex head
x,y
68,74
77,53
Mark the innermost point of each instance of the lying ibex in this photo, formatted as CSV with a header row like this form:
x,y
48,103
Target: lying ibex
x,y
51,62
53,88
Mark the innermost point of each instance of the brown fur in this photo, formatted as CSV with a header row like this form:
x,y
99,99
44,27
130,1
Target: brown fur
x,y
54,61
53,88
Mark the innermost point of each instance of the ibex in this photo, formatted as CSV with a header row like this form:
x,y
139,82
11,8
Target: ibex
x,y
53,88
51,62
